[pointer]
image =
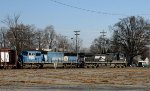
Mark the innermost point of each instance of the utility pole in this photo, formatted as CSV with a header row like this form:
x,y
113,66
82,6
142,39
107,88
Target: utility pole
x,y
103,42
77,33
72,43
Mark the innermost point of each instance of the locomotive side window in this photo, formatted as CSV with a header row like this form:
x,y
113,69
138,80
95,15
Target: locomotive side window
x,y
38,54
33,54
29,53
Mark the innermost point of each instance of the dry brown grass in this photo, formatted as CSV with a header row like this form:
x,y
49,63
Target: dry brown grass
x,y
112,76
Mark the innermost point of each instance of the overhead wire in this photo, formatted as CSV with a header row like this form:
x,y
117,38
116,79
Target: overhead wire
x,y
90,10
87,10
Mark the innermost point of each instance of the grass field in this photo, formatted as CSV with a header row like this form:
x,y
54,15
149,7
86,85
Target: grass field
x,y
96,76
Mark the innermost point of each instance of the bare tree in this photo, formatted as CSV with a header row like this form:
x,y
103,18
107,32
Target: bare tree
x,y
26,37
62,42
22,39
94,48
72,44
3,39
100,45
39,39
130,35
12,24
19,35
49,36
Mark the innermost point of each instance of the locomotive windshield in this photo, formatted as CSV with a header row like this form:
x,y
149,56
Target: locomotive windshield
x,y
25,53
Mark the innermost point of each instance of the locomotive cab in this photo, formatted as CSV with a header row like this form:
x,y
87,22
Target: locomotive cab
x,y
31,58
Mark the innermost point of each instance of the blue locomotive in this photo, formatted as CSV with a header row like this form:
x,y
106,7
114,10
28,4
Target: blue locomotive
x,y
41,58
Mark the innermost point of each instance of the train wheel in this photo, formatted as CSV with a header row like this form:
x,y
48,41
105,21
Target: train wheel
x,y
114,65
39,66
95,66
78,66
122,66
64,66
118,66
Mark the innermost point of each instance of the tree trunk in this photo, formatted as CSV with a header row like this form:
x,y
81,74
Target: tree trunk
x,y
129,60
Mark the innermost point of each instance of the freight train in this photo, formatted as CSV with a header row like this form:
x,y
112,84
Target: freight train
x,y
38,59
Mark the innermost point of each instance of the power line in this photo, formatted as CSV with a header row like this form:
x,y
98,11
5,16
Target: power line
x,y
89,10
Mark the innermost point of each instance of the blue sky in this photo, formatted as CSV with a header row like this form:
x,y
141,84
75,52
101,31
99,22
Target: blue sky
x,y
65,20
